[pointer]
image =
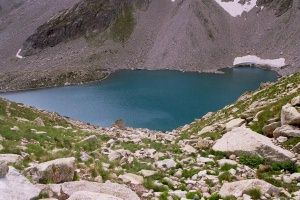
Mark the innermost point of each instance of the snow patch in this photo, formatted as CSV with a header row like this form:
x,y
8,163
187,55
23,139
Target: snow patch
x,y
234,8
251,59
18,54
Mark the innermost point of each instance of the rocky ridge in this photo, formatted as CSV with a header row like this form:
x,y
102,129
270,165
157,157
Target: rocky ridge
x,y
207,159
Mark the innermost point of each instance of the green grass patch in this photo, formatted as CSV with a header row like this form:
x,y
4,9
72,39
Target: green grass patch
x,y
254,193
252,161
123,26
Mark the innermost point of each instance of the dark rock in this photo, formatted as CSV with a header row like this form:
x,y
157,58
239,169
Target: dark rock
x,y
85,18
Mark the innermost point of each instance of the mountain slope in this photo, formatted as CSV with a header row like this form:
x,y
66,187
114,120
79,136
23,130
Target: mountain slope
x,y
188,35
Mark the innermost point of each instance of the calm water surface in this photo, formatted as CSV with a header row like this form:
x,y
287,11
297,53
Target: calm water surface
x,y
161,100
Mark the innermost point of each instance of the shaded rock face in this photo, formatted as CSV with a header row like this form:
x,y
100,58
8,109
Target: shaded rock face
x,y
86,17
280,6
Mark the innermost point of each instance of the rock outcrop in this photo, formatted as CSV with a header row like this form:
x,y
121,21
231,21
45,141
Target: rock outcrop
x,y
244,140
55,171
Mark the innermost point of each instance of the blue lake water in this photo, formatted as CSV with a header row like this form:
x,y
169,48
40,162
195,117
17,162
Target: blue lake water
x,y
160,100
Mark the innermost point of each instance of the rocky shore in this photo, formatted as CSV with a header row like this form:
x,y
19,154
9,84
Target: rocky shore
x,y
247,150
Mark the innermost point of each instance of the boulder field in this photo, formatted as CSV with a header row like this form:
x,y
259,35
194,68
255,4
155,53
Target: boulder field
x,y
247,150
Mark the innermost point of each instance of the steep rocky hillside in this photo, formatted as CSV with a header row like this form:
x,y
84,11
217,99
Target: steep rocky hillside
x,y
101,36
247,150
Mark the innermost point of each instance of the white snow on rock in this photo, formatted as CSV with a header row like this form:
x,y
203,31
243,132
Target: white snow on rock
x,y
18,54
234,8
251,59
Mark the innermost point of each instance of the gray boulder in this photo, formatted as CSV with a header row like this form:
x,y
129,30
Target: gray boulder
x,y
39,121
55,171
14,186
269,129
166,164
296,101
244,140
290,115
234,123
238,188
287,130
11,158
114,189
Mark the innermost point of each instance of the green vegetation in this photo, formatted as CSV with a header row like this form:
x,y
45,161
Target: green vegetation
x,y
251,160
226,176
287,166
214,196
254,193
189,173
212,135
123,26
193,195
227,167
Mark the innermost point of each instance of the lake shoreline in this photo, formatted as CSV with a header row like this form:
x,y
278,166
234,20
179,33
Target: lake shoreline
x,y
110,72
173,98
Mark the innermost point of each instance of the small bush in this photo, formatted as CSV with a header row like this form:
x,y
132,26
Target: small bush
x,y
251,160
189,173
193,195
287,166
214,196
227,167
254,193
230,198
164,196
226,176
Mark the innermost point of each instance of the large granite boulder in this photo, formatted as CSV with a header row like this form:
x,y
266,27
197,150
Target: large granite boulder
x,y
234,123
11,158
238,188
287,130
244,140
84,195
132,178
296,101
166,164
14,186
290,115
269,128
114,189
54,171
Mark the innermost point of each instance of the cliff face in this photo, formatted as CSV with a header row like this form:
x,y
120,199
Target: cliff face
x,y
85,18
